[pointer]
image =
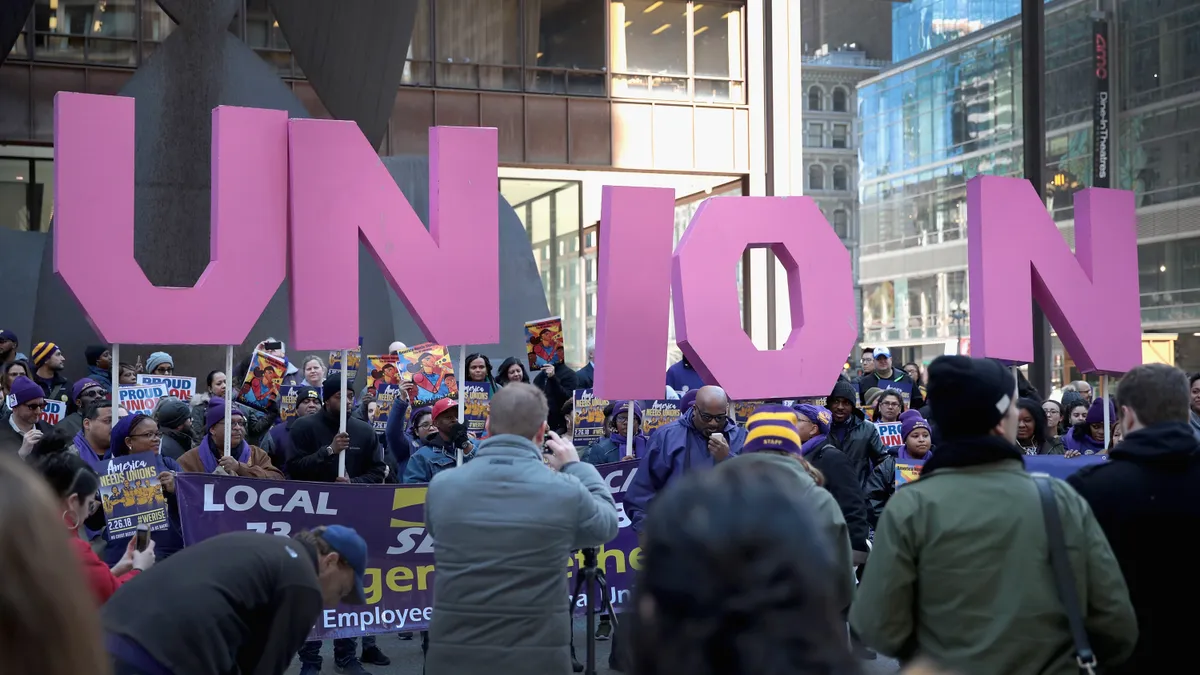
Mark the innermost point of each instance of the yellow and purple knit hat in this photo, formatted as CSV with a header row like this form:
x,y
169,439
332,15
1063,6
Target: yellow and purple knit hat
x,y
772,427
42,352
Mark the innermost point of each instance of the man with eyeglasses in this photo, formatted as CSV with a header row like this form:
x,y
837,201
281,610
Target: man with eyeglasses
x,y
698,440
23,427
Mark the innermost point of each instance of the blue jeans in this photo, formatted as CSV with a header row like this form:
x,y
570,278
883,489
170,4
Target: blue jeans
x,y
345,651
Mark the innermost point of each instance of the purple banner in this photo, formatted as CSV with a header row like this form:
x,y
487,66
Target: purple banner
x,y
391,518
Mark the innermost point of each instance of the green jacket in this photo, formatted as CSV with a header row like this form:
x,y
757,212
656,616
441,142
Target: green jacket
x,y
826,514
960,573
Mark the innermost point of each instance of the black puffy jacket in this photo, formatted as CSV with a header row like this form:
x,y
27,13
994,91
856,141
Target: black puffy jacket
x,y
859,440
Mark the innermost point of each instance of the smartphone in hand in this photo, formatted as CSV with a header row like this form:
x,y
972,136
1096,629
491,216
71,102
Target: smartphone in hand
x,y
143,537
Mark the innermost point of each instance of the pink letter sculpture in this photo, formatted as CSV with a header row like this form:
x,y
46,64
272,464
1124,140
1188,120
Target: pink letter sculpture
x,y
636,235
340,189
820,289
93,221
1016,251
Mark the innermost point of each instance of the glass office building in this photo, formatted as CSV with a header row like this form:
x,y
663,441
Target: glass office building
x,y
931,123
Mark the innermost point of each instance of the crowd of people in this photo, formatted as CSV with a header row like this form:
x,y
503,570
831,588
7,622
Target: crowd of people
x,y
761,541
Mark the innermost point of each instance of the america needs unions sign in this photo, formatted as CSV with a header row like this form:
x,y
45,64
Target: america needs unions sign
x,y
391,518
300,193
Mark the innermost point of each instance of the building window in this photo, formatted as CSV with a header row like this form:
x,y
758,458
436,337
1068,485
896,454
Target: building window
x,y
564,47
816,177
26,193
840,133
669,49
93,32
816,134
839,100
841,223
815,96
478,44
840,179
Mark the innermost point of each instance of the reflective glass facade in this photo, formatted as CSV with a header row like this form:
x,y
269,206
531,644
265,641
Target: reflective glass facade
x,y
929,128
930,125
922,25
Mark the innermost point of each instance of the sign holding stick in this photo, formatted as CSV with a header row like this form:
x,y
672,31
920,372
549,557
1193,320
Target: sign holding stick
x,y
342,416
116,377
629,430
1107,423
462,408
228,396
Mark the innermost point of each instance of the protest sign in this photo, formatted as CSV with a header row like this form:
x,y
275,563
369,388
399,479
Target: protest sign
x,y
53,412
429,367
131,495
353,359
742,410
383,382
889,433
141,399
287,402
908,470
260,386
588,418
544,343
476,402
656,414
400,568
182,388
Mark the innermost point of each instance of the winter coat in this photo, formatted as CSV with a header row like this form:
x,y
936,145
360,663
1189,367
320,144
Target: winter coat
x,y
586,376
859,440
674,449
1144,498
558,390
843,484
99,577
960,573
175,443
432,458
504,525
71,424
899,381
10,440
682,377
313,460
259,465
826,514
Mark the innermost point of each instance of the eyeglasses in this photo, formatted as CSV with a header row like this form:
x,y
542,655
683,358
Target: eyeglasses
x,y
152,435
164,371
712,418
425,425
35,407
235,422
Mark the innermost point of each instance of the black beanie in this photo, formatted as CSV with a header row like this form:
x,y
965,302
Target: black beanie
x,y
93,352
843,389
968,397
331,386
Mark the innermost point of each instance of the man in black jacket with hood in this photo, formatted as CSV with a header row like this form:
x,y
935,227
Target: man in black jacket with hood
x,y
316,444
851,433
1144,499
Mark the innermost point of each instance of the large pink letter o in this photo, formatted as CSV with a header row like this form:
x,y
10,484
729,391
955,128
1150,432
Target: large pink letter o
x,y
820,288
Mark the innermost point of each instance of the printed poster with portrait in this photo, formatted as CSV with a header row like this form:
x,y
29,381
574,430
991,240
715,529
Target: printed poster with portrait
x,y
429,368
264,377
383,383
131,495
544,343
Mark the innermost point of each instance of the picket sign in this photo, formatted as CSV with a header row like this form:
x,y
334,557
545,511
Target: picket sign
x,y
182,388
53,412
279,185
140,399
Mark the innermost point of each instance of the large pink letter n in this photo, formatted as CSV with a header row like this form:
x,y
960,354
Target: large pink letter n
x,y
820,290
1016,251
448,277
93,222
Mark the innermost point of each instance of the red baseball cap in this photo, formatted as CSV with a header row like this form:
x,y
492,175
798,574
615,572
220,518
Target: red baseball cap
x,y
442,406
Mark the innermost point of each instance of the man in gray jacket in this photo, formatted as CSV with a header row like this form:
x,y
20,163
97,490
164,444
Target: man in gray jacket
x,y
504,526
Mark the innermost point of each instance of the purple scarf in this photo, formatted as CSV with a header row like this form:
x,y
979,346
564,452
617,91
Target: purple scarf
x,y
88,454
639,444
812,444
242,452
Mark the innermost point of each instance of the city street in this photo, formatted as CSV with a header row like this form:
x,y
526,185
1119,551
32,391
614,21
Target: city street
x,y
406,657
